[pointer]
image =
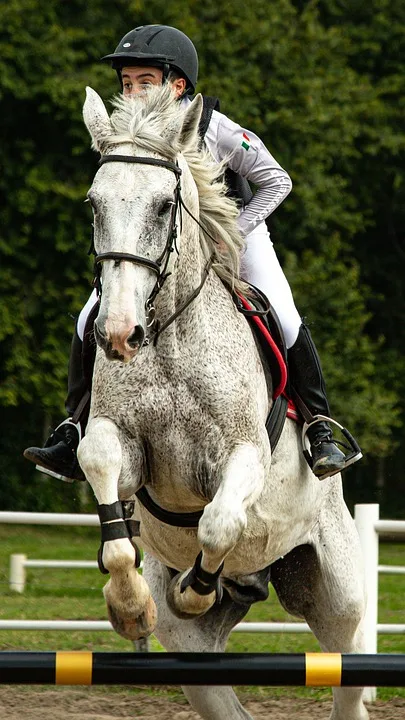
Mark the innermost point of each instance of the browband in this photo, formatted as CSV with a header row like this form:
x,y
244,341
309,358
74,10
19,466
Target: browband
x,y
142,160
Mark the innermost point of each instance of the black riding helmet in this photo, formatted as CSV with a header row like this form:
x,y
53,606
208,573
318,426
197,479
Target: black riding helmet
x,y
157,46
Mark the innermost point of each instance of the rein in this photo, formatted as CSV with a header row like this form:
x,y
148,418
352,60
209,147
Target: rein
x,y
160,265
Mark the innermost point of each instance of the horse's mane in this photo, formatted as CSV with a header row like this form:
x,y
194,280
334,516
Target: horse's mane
x,y
147,121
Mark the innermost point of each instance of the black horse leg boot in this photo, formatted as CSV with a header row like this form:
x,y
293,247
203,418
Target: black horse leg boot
x,y
308,384
58,456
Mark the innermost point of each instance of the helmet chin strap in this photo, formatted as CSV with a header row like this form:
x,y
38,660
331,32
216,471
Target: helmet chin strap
x,y
165,72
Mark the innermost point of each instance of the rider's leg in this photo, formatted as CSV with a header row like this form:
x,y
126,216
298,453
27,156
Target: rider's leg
x,y
308,382
59,452
260,266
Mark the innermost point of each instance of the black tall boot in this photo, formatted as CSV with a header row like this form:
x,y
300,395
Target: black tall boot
x,y
59,452
308,384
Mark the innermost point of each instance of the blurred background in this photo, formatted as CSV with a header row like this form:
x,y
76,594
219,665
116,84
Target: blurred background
x,y
322,83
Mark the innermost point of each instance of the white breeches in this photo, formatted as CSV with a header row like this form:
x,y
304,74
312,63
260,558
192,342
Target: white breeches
x,y
84,314
260,267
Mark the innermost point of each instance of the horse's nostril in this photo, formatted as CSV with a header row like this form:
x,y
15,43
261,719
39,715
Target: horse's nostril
x,y
136,338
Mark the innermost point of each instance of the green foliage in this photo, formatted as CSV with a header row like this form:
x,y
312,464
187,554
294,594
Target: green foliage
x,y
350,356
320,81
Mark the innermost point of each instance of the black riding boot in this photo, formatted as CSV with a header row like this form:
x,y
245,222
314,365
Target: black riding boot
x,y
59,452
308,383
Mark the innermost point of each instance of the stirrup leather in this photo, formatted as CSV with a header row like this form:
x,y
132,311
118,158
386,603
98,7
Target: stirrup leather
x,y
352,456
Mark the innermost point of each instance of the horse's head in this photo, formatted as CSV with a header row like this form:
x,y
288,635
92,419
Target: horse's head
x,y
135,201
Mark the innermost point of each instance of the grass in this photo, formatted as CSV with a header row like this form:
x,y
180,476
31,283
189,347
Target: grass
x,y
53,594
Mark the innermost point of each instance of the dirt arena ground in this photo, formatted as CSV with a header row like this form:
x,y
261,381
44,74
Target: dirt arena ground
x,y
17,703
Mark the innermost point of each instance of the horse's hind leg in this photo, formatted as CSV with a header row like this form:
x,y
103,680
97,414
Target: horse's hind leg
x,y
206,634
323,583
130,606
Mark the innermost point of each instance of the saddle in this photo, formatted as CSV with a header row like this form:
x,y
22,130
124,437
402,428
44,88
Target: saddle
x,y
269,337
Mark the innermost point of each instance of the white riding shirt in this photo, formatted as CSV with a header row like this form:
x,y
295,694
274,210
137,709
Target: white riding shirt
x,y
245,154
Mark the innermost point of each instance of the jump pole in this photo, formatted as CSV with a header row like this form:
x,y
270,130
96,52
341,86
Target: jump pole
x,y
303,669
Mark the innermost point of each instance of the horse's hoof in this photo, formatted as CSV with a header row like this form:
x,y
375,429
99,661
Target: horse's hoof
x,y
188,604
134,628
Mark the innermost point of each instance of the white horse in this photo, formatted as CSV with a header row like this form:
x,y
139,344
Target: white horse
x,y
179,407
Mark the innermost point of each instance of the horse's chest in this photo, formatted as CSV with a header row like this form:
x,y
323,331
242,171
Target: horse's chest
x,y
187,414
175,416
167,405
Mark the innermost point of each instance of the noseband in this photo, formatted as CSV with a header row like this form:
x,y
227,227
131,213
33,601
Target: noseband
x,y
160,265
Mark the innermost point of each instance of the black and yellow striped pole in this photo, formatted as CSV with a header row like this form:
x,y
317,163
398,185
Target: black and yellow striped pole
x,y
310,669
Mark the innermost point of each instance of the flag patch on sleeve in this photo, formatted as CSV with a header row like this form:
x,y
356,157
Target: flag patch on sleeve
x,y
245,141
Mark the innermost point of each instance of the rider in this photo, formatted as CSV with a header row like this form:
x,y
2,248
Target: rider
x,y
155,54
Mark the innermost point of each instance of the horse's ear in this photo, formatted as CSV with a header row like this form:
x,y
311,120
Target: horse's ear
x,y
96,119
191,120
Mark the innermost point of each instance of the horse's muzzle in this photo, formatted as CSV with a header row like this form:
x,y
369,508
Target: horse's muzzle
x,y
120,345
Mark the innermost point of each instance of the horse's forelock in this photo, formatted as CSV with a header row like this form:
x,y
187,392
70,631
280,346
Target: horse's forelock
x,y
150,120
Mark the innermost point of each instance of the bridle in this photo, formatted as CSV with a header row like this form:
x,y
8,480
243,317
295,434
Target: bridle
x,y
160,265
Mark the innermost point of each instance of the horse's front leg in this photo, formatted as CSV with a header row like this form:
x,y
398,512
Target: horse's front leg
x,y
131,609
223,522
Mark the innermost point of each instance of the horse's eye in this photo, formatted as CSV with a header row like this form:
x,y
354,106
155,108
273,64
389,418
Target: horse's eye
x,y
165,207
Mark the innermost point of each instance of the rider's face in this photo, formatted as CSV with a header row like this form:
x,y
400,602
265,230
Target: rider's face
x,y
134,80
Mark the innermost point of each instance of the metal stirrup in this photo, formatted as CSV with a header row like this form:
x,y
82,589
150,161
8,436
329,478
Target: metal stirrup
x,y
353,455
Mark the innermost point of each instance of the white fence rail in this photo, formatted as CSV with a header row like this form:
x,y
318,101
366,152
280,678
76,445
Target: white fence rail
x,y
19,563
247,627
28,518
